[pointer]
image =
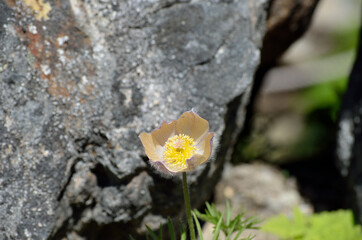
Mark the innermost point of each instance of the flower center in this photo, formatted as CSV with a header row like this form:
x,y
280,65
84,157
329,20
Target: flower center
x,y
178,149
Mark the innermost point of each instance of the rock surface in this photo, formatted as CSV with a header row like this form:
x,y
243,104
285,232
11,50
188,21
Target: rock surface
x,y
349,141
260,190
287,21
81,79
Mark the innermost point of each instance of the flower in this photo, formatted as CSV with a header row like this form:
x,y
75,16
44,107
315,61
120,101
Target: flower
x,y
179,146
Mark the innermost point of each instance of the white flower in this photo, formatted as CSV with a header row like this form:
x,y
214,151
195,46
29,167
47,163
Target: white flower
x,y
179,146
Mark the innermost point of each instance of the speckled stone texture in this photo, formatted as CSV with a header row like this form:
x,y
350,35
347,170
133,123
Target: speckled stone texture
x,y
81,79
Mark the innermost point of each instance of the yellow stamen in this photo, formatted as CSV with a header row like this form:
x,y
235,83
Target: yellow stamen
x,y
178,149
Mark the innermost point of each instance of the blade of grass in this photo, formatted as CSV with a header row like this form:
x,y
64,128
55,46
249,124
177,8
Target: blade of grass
x,y
217,229
203,216
228,213
171,229
237,235
231,230
154,236
160,232
198,227
251,237
183,236
183,232
208,209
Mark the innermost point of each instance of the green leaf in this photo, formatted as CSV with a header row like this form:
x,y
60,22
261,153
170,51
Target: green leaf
x,y
228,213
160,232
235,225
250,237
198,226
334,225
229,225
210,210
207,217
325,95
217,229
183,232
230,230
238,234
283,227
171,229
153,234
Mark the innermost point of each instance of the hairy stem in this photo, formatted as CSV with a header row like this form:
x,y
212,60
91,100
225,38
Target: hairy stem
x,y
188,206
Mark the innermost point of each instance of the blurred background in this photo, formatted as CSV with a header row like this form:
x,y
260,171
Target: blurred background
x,y
286,157
80,80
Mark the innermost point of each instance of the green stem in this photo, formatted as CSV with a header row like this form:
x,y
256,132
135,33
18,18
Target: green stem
x,y
188,206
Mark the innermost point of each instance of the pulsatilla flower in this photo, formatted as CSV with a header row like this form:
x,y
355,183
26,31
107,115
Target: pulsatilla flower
x,y
179,146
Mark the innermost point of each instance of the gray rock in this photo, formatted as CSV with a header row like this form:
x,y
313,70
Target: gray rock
x,y
81,79
287,21
260,190
349,137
